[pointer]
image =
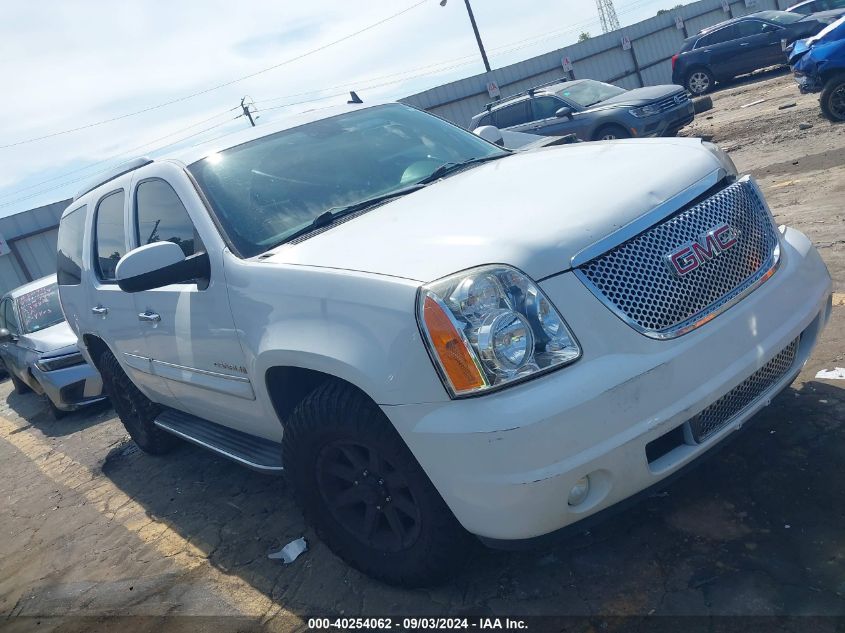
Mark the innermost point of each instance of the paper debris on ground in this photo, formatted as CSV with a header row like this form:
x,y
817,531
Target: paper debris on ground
x,y
291,551
837,373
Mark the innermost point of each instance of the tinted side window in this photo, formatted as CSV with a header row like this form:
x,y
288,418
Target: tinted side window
x,y
69,247
161,216
752,27
717,37
545,107
3,313
485,120
806,9
516,114
109,235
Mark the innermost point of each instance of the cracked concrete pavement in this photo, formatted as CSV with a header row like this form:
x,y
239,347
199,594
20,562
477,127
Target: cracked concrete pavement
x,y
94,527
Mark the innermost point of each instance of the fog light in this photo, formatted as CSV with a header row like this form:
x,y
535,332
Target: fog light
x,y
579,491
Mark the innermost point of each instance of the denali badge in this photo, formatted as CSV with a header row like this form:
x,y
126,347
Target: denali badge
x,y
693,254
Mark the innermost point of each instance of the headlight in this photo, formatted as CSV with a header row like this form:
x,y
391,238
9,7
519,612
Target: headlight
x,y
59,362
722,156
491,326
647,110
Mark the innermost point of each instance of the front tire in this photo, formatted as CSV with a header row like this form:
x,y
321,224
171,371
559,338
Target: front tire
x,y
611,133
20,386
832,99
136,411
365,493
699,81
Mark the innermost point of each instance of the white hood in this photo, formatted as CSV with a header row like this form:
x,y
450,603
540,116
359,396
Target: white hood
x,y
533,210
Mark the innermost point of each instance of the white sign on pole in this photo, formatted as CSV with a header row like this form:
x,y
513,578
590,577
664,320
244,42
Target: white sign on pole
x,y
493,90
626,43
679,22
726,6
4,248
567,64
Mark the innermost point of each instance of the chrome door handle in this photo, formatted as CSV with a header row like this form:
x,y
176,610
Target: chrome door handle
x,y
149,317
100,310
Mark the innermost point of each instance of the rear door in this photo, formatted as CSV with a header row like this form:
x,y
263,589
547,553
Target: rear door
x,y
515,117
720,49
188,327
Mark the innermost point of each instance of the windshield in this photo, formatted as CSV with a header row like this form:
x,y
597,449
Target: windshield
x,y
40,309
589,92
830,33
272,187
779,17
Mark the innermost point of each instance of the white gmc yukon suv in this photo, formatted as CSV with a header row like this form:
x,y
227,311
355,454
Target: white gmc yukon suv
x,y
432,336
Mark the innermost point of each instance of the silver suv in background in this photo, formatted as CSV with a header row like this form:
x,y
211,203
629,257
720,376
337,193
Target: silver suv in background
x,y
592,110
39,349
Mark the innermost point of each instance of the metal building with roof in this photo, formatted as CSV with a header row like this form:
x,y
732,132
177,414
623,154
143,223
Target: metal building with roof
x,y
28,244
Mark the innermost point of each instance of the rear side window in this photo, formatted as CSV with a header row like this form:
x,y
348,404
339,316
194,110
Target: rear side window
x,y
69,247
161,216
516,114
109,235
718,37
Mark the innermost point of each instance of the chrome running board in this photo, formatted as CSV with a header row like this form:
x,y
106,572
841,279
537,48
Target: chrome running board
x,y
251,451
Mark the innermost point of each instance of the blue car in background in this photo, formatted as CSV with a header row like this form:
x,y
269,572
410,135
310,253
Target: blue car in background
x,y
819,66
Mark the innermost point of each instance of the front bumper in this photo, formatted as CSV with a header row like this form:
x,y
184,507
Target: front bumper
x,y
71,387
505,462
665,123
807,83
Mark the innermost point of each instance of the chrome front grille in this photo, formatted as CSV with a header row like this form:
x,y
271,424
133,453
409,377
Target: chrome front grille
x,y
635,281
737,399
671,102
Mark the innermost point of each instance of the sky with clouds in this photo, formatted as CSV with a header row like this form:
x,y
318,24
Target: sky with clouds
x,y
68,64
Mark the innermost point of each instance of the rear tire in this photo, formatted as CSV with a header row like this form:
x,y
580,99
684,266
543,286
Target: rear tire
x,y
832,99
364,492
136,411
699,81
611,132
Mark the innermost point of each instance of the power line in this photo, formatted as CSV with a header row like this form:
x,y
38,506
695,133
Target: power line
x,y
221,85
87,176
113,157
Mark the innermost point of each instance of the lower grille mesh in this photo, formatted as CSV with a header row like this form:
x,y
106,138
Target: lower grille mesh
x,y
720,412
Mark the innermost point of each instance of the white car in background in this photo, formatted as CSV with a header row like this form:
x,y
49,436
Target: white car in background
x,y
424,334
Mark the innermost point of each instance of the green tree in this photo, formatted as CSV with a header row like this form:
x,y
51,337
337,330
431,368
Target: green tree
x,y
585,35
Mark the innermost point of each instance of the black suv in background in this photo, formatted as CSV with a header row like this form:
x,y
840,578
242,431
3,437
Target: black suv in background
x,y
739,46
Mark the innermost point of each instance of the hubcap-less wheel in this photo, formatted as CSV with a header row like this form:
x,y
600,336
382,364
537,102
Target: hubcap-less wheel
x,y
837,102
610,136
367,495
699,82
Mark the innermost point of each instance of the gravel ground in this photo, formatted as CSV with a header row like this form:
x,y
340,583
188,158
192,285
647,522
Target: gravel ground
x,y
91,527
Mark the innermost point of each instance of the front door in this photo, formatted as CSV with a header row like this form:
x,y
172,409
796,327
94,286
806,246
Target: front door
x,y
190,334
547,123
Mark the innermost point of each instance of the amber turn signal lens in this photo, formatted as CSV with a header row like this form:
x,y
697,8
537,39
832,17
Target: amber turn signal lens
x,y
447,342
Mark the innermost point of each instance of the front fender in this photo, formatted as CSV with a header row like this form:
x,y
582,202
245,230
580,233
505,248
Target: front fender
x,y
360,327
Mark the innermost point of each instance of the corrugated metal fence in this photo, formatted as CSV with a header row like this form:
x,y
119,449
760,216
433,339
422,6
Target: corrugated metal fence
x,y
647,62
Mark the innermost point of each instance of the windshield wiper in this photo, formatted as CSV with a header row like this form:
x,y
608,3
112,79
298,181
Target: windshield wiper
x,y
331,215
448,168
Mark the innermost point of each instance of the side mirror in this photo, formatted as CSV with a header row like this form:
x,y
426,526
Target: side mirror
x,y
491,134
565,111
159,264
5,335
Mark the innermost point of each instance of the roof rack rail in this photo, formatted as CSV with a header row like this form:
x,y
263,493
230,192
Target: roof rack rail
x,y
530,91
123,168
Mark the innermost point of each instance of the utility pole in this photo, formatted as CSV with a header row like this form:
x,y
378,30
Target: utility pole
x,y
607,15
247,113
474,30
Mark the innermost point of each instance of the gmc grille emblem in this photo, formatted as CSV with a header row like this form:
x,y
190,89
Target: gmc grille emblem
x,y
693,254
